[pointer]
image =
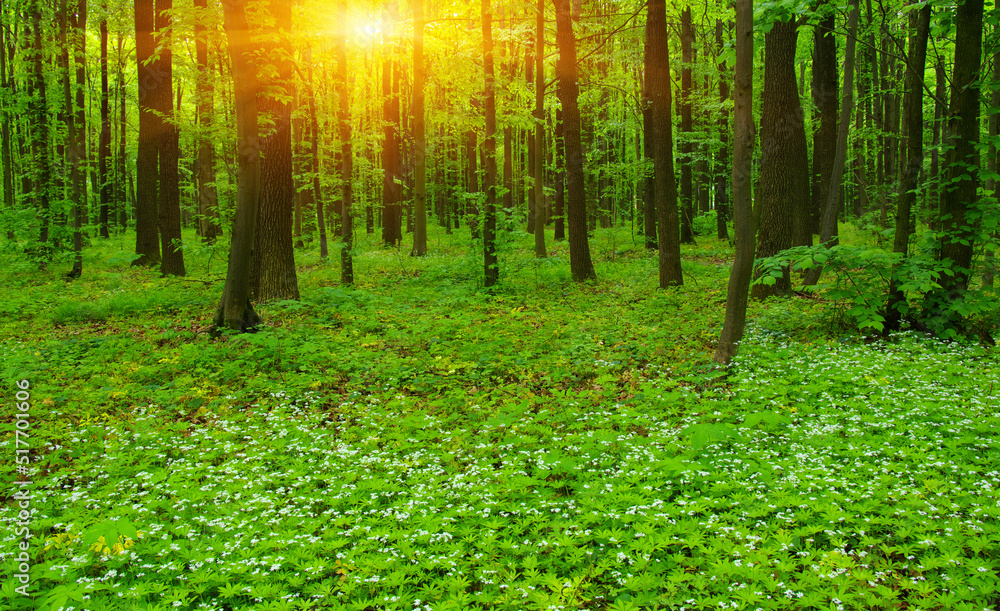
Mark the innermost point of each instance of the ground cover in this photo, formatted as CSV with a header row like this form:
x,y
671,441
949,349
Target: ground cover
x,y
413,443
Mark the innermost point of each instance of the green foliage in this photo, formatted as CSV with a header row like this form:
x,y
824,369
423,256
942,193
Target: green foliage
x,y
412,443
858,282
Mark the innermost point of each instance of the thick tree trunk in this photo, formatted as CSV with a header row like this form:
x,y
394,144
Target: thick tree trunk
x,y
490,262
744,222
824,94
665,185
147,244
235,310
989,260
559,203
346,158
784,166
961,162
419,138
168,196
273,275
581,266
687,185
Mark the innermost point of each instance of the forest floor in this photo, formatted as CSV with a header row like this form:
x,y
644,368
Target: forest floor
x,y
415,443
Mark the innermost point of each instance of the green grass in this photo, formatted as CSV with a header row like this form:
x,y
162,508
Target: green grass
x,y
415,443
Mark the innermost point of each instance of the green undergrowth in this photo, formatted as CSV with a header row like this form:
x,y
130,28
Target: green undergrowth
x,y
415,443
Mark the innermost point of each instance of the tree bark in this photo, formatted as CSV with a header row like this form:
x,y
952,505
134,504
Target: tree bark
x,y
538,159
581,266
147,244
649,182
273,275
208,195
77,135
961,162
104,143
824,94
346,158
784,167
235,310
392,181
722,209
419,137
687,186
168,202
744,222
665,185
828,229
913,125
490,262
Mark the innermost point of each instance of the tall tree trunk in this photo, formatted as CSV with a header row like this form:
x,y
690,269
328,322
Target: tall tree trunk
x,y
392,182
581,266
419,138
346,157
665,185
989,262
824,94
687,186
120,163
828,229
147,244
784,166
104,145
961,162
168,197
208,194
744,221
77,135
538,159
913,125
317,194
273,275
490,261
649,230
722,210
559,205
235,310
40,130
6,90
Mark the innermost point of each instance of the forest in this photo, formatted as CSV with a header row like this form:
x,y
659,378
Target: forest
x,y
428,305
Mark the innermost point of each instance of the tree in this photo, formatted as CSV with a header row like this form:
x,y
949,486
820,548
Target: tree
x,y
824,94
419,137
828,227
346,157
687,187
392,180
208,197
77,131
744,221
104,144
721,193
39,128
273,275
490,261
168,196
581,266
235,310
538,167
147,244
913,126
959,202
784,169
664,183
